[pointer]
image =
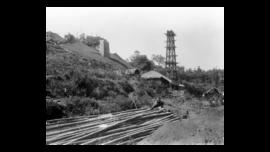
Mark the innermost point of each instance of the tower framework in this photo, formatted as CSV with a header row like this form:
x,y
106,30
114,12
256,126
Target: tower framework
x,y
170,63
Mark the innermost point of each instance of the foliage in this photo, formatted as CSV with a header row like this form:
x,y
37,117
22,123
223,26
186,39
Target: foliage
x,y
91,41
159,59
211,78
195,89
79,106
141,62
54,110
90,87
70,38
151,88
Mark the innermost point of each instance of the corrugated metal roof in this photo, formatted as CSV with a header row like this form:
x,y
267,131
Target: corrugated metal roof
x,y
153,75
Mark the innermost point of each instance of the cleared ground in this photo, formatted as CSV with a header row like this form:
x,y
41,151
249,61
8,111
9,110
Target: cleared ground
x,y
203,126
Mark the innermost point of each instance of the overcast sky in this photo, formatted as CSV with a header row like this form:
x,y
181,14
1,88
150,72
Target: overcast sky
x,y
199,30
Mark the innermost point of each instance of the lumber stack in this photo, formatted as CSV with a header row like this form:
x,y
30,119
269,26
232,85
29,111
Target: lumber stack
x,y
120,128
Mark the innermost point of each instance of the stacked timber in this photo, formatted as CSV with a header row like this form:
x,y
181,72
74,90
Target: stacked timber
x,y
127,127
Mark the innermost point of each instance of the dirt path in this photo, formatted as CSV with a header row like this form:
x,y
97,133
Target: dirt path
x,y
204,126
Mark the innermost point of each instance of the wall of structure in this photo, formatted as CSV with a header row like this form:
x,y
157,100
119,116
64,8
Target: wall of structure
x,y
104,48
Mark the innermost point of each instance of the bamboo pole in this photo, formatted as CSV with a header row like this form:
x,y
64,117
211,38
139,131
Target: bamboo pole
x,y
122,136
141,131
127,130
133,122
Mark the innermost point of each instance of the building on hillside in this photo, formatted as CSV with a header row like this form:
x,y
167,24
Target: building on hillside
x,y
104,48
153,75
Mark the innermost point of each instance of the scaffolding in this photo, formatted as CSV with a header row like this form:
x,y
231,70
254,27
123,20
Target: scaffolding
x,y
170,63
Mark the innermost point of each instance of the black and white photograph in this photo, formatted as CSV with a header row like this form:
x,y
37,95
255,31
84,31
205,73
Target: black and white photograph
x,y
134,76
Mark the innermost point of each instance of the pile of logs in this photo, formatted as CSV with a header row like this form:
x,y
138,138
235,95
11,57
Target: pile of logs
x,y
121,128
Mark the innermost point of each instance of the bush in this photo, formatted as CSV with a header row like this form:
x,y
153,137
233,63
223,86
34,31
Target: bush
x,y
126,87
70,38
123,102
54,110
109,106
77,106
144,101
152,88
195,89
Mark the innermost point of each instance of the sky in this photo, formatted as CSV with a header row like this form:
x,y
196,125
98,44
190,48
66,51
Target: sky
x,y
199,30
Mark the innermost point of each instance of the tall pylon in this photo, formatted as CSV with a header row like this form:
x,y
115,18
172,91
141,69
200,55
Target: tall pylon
x,y
170,63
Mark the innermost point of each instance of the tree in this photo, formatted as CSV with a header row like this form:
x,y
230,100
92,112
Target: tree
x,y
70,38
136,52
141,62
159,59
135,55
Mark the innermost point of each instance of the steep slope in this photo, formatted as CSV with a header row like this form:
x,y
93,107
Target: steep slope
x,y
115,57
84,50
54,37
90,53
81,48
60,60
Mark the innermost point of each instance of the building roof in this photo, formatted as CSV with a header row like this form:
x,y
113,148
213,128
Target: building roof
x,y
155,75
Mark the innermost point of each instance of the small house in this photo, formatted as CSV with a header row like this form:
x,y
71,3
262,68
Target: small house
x,y
153,75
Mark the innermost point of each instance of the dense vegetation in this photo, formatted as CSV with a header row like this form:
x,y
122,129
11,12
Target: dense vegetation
x,y
196,81
83,86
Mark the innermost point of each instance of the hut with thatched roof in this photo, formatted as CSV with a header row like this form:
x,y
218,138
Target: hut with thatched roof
x,y
153,75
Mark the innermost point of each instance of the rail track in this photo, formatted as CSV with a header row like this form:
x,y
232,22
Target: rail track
x,y
120,128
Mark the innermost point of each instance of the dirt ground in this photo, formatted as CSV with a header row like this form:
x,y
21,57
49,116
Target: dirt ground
x,y
203,126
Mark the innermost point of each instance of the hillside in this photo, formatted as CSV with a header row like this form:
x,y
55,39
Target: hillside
x,y
87,52
91,54
60,61
115,57
54,36
84,82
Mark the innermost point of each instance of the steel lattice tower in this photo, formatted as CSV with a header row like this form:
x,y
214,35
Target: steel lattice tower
x,y
170,63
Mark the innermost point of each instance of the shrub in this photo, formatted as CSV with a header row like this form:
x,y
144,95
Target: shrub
x,y
123,102
70,38
195,89
144,100
54,110
82,106
109,106
126,87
